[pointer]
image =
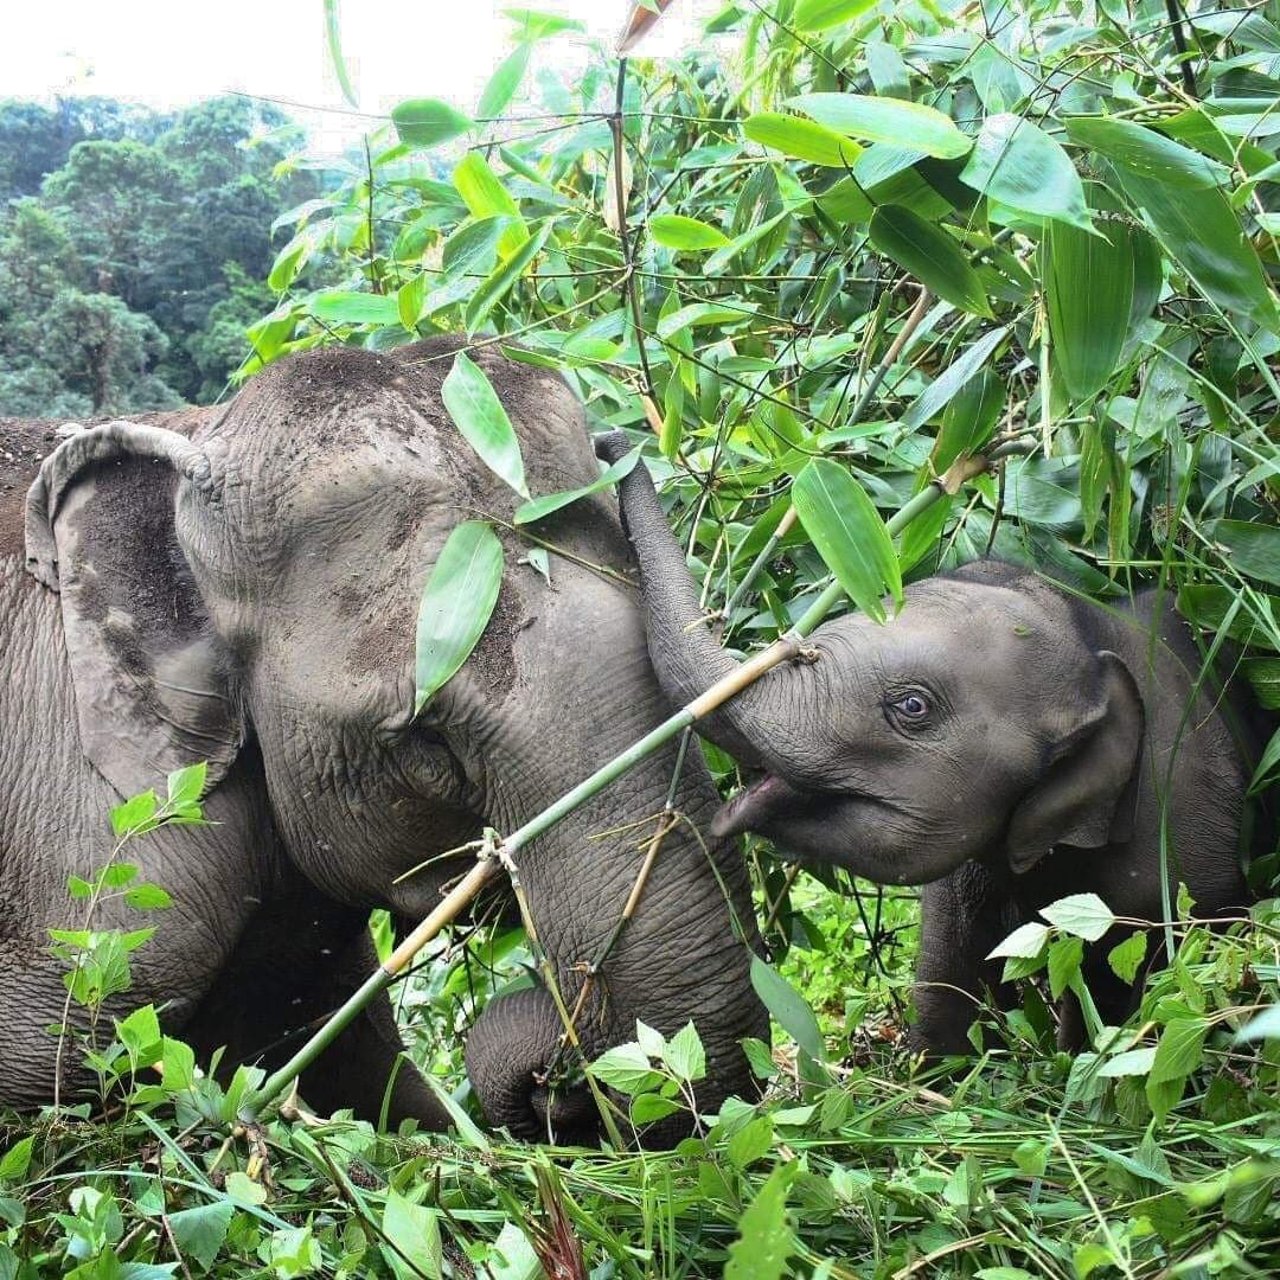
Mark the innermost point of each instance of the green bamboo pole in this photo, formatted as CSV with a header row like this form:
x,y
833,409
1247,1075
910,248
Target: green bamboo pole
x,y
494,859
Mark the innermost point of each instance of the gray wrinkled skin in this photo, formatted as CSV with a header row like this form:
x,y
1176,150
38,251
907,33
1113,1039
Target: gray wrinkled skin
x,y
240,585
999,742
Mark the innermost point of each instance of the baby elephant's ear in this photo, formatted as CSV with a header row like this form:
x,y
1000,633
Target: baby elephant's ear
x,y
1083,798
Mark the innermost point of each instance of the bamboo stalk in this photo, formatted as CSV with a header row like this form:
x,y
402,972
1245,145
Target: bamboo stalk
x,y
492,860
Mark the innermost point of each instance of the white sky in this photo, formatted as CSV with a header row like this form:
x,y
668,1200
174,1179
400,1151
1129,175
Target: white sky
x,y
170,52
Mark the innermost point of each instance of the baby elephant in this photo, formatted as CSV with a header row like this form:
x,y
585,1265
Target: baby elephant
x,y
1001,742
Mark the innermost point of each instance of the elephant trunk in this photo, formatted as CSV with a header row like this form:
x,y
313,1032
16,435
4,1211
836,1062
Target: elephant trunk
x,y
685,655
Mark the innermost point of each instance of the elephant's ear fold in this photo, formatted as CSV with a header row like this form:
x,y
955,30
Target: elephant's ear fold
x,y
150,677
1085,797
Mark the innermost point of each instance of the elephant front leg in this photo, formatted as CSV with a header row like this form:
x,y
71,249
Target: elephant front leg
x,y
963,917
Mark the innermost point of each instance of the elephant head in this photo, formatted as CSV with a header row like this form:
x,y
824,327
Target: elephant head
x,y
980,723
271,596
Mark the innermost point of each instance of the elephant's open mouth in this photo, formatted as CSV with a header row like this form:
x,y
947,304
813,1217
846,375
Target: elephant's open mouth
x,y
765,800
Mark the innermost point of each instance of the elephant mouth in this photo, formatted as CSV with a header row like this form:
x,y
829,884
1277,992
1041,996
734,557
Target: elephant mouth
x,y
765,800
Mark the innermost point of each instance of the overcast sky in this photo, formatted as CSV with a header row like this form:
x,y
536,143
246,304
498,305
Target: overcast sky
x,y
168,53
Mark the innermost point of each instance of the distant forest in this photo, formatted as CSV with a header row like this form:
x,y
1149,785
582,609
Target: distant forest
x,y
134,246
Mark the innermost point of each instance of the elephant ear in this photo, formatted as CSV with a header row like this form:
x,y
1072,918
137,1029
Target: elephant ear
x,y
1085,796
150,676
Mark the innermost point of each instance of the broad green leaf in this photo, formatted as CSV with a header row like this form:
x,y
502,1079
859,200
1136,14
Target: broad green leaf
x,y
818,15
1137,149
17,1160
765,1238
427,122
1063,964
700,314
412,1233
1084,915
1126,957
892,120
1202,233
751,1143
456,606
477,412
499,283
342,306
539,508
678,232
1250,548
930,255
1132,1062
1025,942
504,82
1017,163
1179,1050
626,1067
199,1232
185,786
410,298
801,138
787,1007
845,527
939,394
1089,295
685,1057
486,197
649,1107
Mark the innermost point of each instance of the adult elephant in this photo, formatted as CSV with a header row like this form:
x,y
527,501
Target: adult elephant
x,y
1001,742
243,590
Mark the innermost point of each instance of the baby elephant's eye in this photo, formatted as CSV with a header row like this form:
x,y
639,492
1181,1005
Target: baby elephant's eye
x,y
913,706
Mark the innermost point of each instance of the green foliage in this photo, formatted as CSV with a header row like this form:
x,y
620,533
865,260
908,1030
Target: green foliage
x,y
126,272
1098,248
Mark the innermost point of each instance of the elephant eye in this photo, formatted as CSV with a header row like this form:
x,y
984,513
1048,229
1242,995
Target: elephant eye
x,y
913,707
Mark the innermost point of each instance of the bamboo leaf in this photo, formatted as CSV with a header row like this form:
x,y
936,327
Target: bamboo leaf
x,y
1144,152
344,306
930,255
803,139
1251,548
540,508
678,232
477,412
1017,163
1089,293
504,82
333,38
456,606
892,120
787,1007
486,197
844,526
1204,235
499,282
943,389
818,15
427,122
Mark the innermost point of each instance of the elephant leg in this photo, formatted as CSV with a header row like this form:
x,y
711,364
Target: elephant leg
x,y
963,916
299,959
